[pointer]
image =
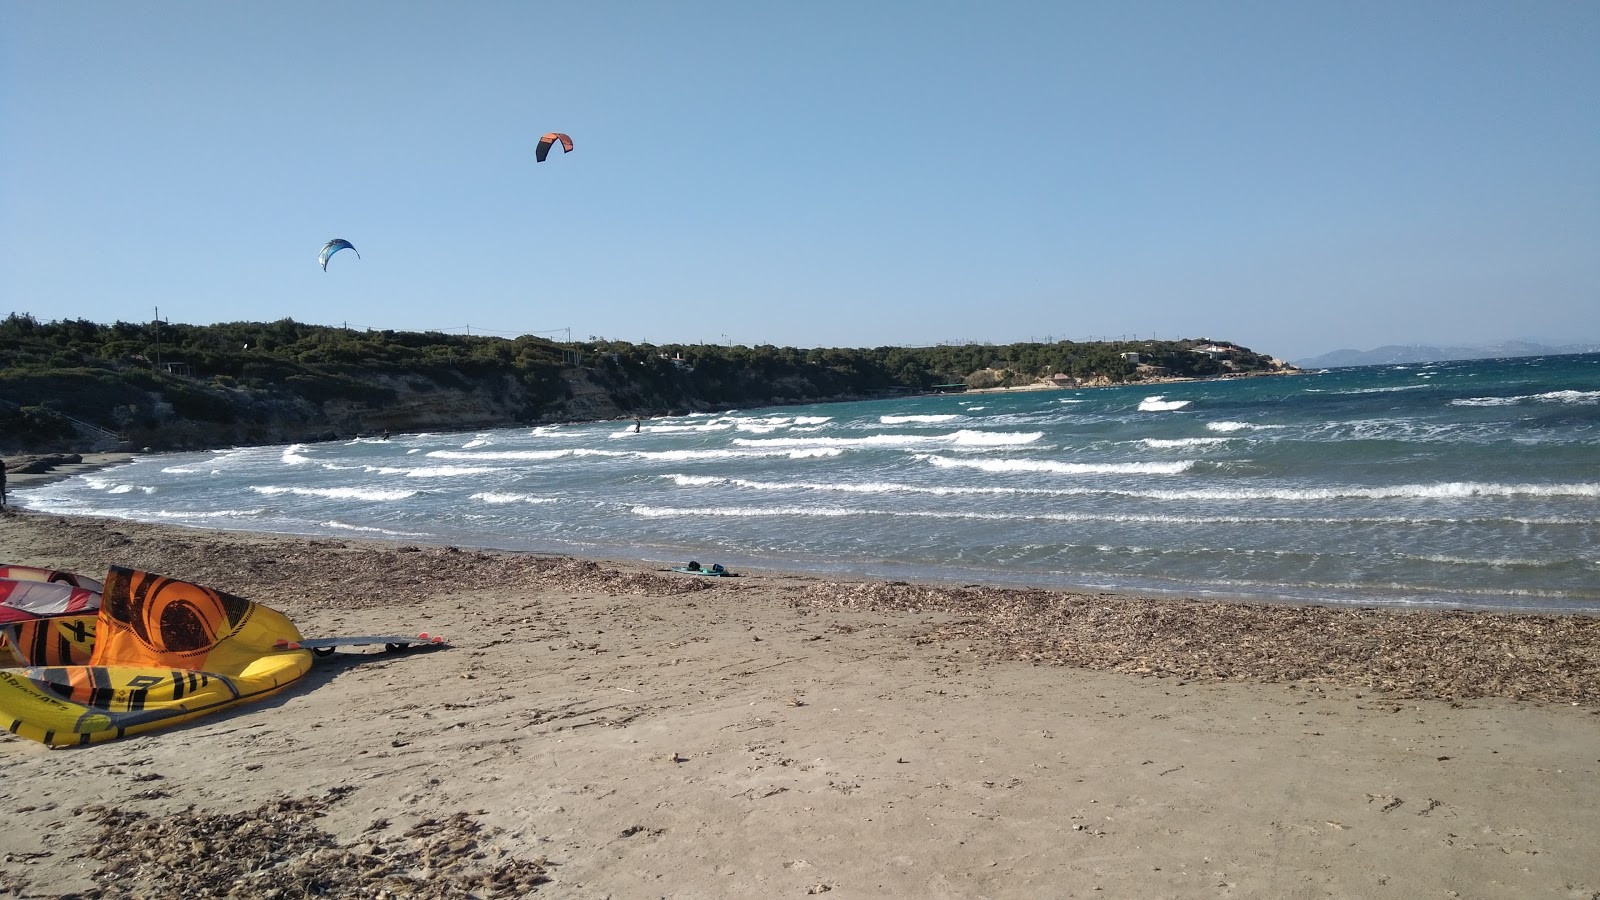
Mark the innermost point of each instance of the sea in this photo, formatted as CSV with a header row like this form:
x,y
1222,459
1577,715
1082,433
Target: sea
x,y
1472,485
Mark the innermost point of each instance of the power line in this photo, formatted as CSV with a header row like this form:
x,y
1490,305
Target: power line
x,y
479,329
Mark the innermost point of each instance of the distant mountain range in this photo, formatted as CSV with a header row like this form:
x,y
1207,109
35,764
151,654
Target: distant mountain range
x,y
1415,353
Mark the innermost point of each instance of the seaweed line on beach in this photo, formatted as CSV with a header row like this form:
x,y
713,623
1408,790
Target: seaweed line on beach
x,y
1442,655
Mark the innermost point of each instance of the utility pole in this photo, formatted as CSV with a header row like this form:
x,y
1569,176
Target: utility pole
x,y
158,338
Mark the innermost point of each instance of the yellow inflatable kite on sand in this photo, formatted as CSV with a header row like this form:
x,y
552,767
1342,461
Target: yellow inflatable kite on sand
x,y
164,651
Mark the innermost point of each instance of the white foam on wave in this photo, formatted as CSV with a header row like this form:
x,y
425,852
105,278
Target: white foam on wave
x,y
1582,398
970,438
1169,443
519,454
1455,490
216,514
1056,467
879,487
499,497
789,452
369,529
656,512
876,440
1230,427
292,455
115,487
1157,404
680,429
335,493
1202,521
812,420
792,451
887,487
1498,562
815,453
431,471
479,441
927,419
965,437
1387,390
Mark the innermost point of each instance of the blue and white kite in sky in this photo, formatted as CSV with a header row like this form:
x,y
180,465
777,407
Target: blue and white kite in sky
x,y
334,246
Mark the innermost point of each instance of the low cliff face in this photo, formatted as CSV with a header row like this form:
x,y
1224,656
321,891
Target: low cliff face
x,y
79,386
399,404
58,413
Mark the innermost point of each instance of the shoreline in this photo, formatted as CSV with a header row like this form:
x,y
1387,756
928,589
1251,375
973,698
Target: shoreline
x,y
89,462
612,729
1198,637
1158,588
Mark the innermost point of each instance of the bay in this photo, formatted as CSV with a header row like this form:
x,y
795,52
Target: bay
x,y
1470,484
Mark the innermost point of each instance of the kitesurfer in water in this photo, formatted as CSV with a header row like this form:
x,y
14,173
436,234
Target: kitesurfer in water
x,y
636,421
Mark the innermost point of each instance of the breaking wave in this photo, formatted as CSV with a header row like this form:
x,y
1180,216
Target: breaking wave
x,y
1157,404
1065,468
335,493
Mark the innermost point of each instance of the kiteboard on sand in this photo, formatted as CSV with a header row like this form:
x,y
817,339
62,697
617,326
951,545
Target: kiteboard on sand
x,y
390,642
163,652
149,653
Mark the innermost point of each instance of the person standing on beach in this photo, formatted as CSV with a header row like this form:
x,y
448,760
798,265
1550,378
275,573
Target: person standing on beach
x,y
2,482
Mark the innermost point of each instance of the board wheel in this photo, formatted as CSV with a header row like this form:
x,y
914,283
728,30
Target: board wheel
x,y
322,651
392,647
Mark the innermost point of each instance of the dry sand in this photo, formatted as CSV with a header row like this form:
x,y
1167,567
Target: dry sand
x,y
602,729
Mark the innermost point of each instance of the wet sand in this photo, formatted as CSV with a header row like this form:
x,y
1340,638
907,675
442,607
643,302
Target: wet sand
x,y
89,462
604,729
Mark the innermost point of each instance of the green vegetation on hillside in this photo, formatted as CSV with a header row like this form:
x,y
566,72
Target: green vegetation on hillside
x,y
174,385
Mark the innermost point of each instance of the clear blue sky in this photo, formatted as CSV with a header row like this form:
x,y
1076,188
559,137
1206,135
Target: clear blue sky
x,y
1294,176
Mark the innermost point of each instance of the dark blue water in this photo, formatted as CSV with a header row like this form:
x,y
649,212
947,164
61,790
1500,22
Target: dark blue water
x,y
1473,484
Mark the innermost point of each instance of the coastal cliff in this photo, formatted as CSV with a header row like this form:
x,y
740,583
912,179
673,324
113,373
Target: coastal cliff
x,y
78,386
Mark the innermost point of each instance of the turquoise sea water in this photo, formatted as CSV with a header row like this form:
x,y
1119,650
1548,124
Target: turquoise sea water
x,y
1472,484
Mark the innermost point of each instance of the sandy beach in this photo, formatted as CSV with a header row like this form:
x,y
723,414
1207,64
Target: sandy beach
x,y
605,729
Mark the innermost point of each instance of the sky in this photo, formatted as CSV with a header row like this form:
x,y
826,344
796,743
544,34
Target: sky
x,y
1296,177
